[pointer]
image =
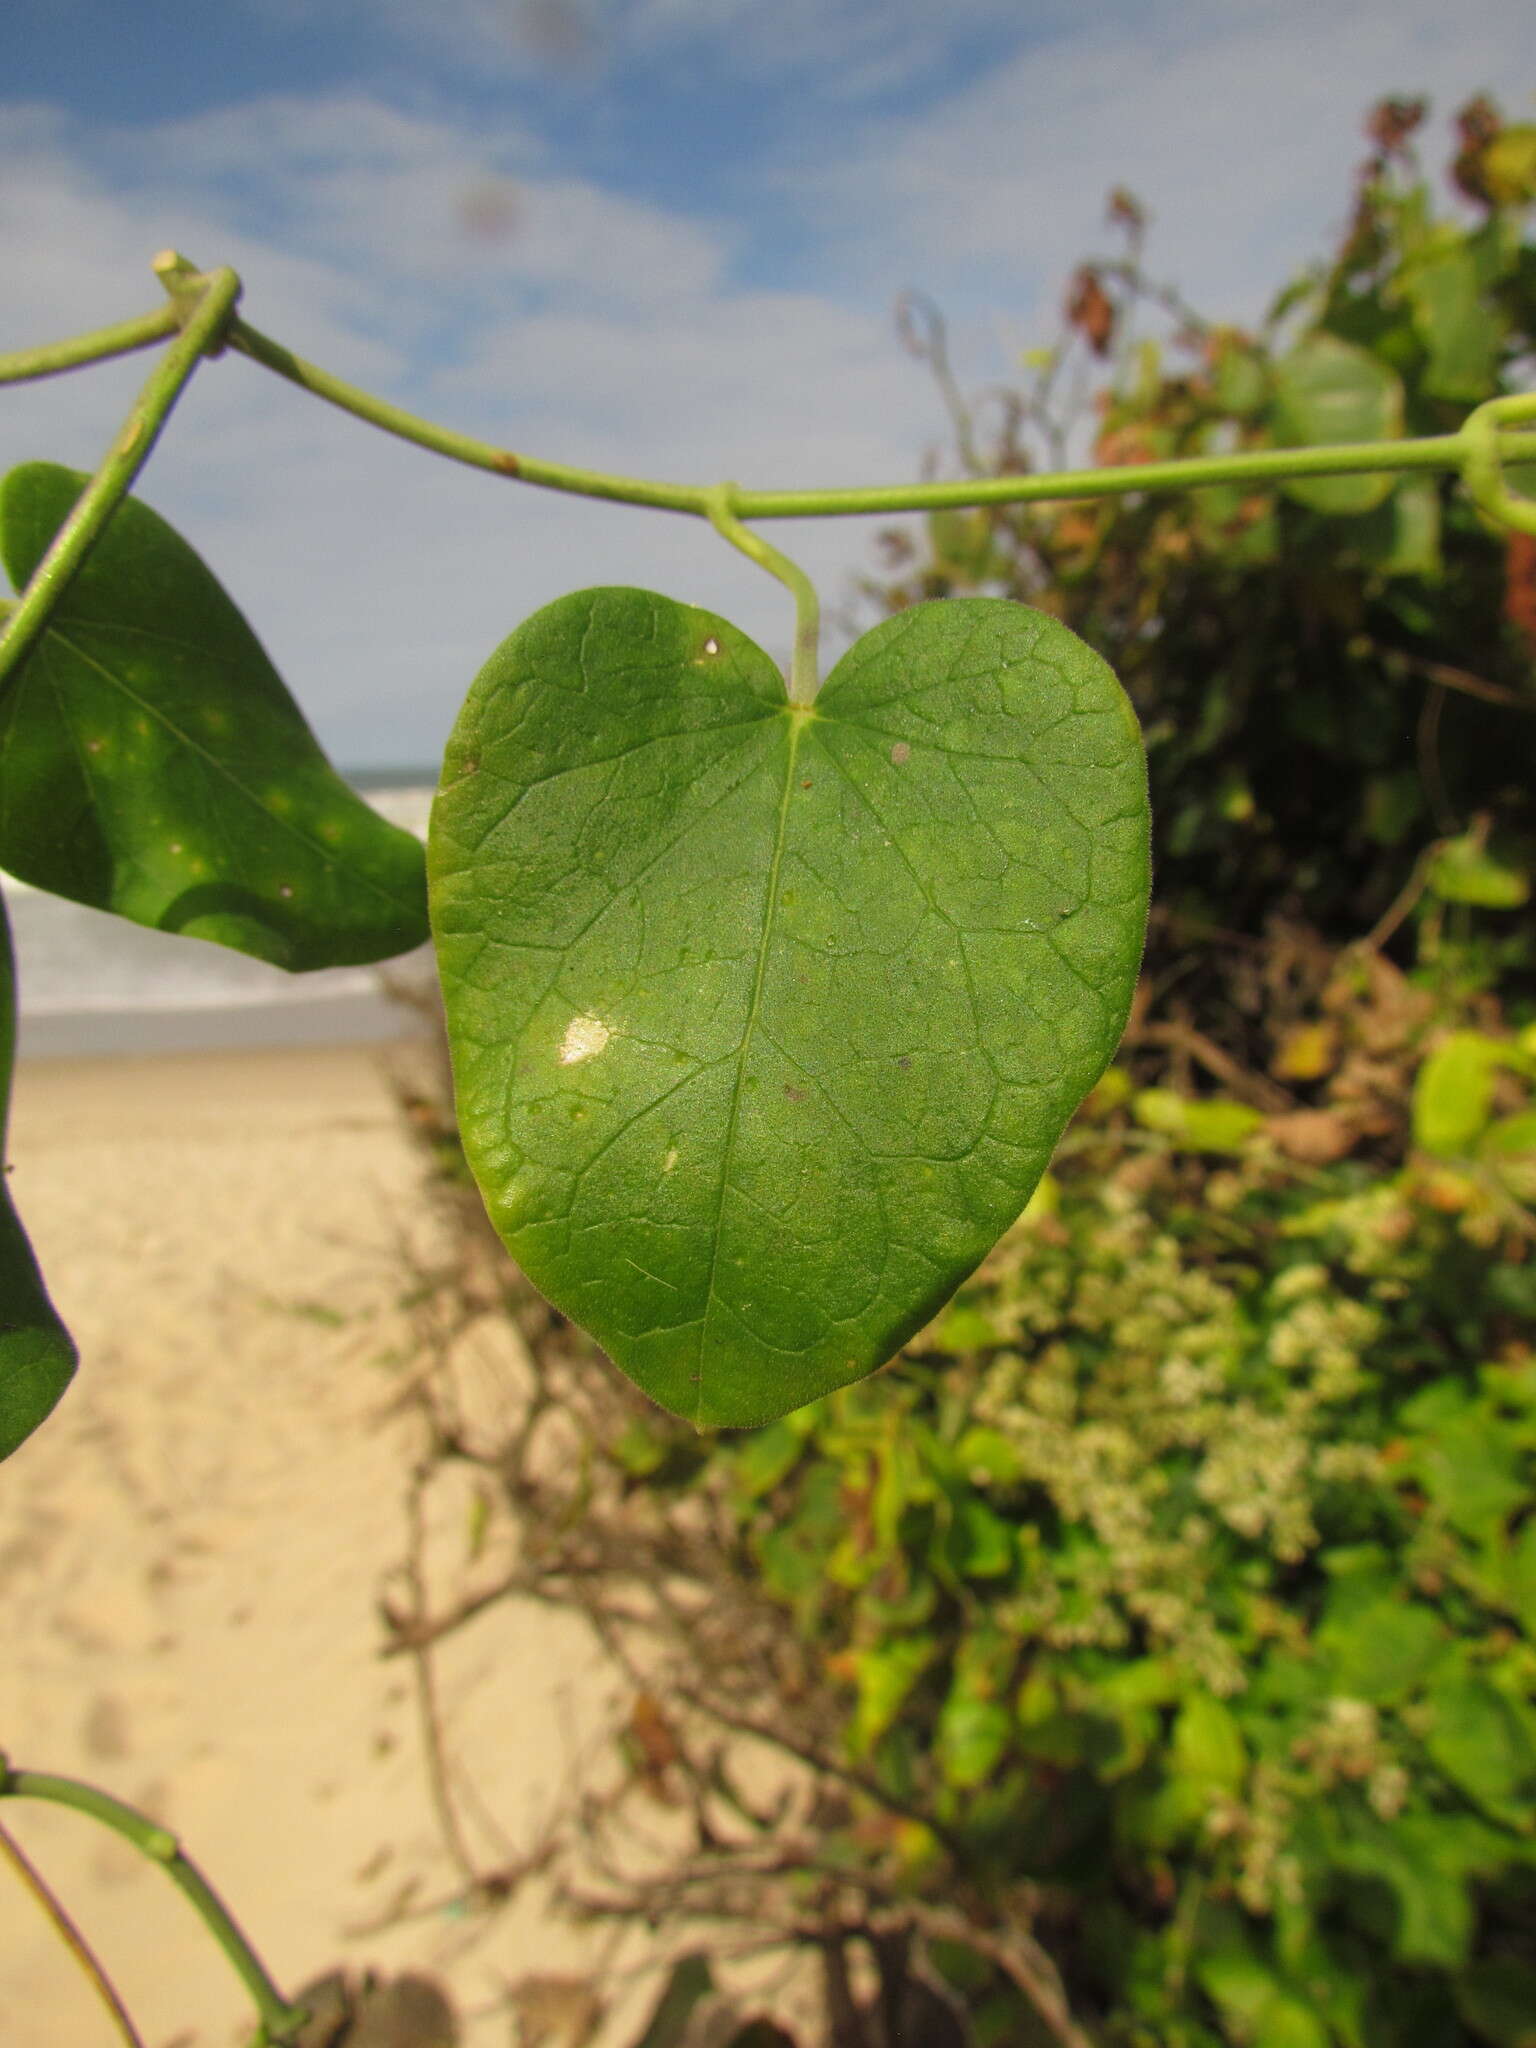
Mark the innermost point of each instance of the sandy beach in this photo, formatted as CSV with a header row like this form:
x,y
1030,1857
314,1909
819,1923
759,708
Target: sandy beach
x,y
192,1550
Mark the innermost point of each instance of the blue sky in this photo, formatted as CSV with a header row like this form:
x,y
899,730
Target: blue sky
x,y
660,236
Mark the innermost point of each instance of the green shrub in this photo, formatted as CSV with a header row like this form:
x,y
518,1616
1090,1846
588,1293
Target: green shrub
x,y
1185,1573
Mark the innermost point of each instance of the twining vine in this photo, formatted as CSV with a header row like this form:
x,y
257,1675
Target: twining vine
x,y
864,744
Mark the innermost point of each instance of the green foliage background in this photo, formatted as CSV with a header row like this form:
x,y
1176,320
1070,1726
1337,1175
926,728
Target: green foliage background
x,y
1180,1580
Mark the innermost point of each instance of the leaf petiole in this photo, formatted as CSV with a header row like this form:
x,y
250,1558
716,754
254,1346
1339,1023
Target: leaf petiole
x,y
201,328
804,667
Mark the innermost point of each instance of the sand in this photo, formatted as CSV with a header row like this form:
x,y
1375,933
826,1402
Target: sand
x,y
192,1549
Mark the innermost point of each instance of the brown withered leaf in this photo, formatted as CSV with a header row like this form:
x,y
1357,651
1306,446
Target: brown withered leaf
x,y
1090,309
1391,121
657,1746
1520,585
1314,1136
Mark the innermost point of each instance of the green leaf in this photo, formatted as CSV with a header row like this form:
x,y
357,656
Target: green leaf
x,y
1509,165
1207,1747
1460,335
1215,1124
1327,391
1253,1999
1453,1092
975,1721
1472,1470
885,1675
37,1358
1463,871
1419,1864
1402,536
1497,1999
1381,1651
1484,1746
765,1019
153,764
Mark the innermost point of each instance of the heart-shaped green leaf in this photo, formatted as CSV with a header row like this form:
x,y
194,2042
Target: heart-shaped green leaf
x,y
37,1358
766,1018
153,764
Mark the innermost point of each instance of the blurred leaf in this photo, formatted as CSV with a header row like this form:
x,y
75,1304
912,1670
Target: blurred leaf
x,y
1453,1093
1240,382
1213,1124
1416,1863
961,543
1471,1469
37,1357
1415,508
766,1457
972,1735
689,1982
1509,166
980,1543
1484,1747
1379,1652
1328,392
1306,1053
153,764
988,1458
1497,1998
1510,1134
1252,1996
1463,871
1207,1745
1458,330
884,1675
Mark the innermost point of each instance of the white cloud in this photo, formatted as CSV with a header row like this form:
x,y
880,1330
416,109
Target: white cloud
x,y
378,577
469,274
1238,125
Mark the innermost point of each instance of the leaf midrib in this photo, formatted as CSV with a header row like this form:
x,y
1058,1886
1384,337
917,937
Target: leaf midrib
x,y
770,915
217,768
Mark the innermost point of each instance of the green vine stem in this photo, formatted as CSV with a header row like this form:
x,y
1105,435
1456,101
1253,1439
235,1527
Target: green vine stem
x,y
105,342
1482,467
804,667
1489,442
1263,465
280,2021
71,1937
201,317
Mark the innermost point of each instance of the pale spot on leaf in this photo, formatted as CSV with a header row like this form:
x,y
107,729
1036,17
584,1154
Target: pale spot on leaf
x,y
584,1036
670,1161
901,752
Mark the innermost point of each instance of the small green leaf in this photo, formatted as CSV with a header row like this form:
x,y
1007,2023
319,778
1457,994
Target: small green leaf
x,y
975,1721
766,1457
1463,871
1381,1651
37,1358
1327,392
1453,1092
1458,331
1416,1862
885,1675
1215,1124
1485,1746
1509,165
765,1018
153,764
1207,1746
